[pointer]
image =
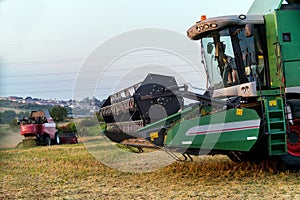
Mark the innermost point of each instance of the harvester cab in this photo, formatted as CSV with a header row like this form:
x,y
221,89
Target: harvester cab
x,y
233,53
250,110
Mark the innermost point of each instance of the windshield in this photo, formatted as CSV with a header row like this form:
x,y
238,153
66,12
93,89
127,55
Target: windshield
x,y
230,57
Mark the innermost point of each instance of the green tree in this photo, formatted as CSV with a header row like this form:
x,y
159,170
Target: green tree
x,y
7,116
59,113
23,114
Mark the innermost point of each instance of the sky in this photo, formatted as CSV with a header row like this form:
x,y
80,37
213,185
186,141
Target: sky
x,y
55,49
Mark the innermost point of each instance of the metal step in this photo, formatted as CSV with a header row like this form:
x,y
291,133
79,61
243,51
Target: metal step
x,y
276,125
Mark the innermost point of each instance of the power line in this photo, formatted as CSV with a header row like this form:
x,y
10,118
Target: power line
x,y
97,58
73,80
41,74
86,81
87,71
50,41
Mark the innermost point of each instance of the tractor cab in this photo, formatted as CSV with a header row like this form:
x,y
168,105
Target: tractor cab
x,y
233,49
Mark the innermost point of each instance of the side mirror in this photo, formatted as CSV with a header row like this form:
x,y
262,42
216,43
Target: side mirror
x,y
210,47
249,30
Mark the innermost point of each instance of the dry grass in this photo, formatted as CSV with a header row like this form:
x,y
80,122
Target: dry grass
x,y
70,172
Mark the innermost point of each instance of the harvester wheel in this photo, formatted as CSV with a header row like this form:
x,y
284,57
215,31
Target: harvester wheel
x,y
56,139
291,161
47,141
292,158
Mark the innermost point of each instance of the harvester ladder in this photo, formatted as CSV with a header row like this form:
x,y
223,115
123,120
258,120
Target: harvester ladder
x,y
275,117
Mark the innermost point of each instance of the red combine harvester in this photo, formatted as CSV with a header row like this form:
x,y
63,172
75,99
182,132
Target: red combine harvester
x,y
41,127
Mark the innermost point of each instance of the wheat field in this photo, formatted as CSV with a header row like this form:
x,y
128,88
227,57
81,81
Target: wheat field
x,y
71,172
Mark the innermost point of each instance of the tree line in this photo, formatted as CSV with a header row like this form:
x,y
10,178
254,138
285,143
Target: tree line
x,y
10,117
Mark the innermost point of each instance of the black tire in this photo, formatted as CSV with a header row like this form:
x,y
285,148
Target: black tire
x,y
47,141
56,139
291,161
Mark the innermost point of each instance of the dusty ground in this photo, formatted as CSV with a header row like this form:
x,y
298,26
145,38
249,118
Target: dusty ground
x,y
71,172
9,137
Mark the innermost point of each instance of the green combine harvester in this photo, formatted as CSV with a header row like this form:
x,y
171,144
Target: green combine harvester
x,y
251,109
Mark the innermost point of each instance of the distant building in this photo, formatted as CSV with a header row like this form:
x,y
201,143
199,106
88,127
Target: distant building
x,y
15,98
